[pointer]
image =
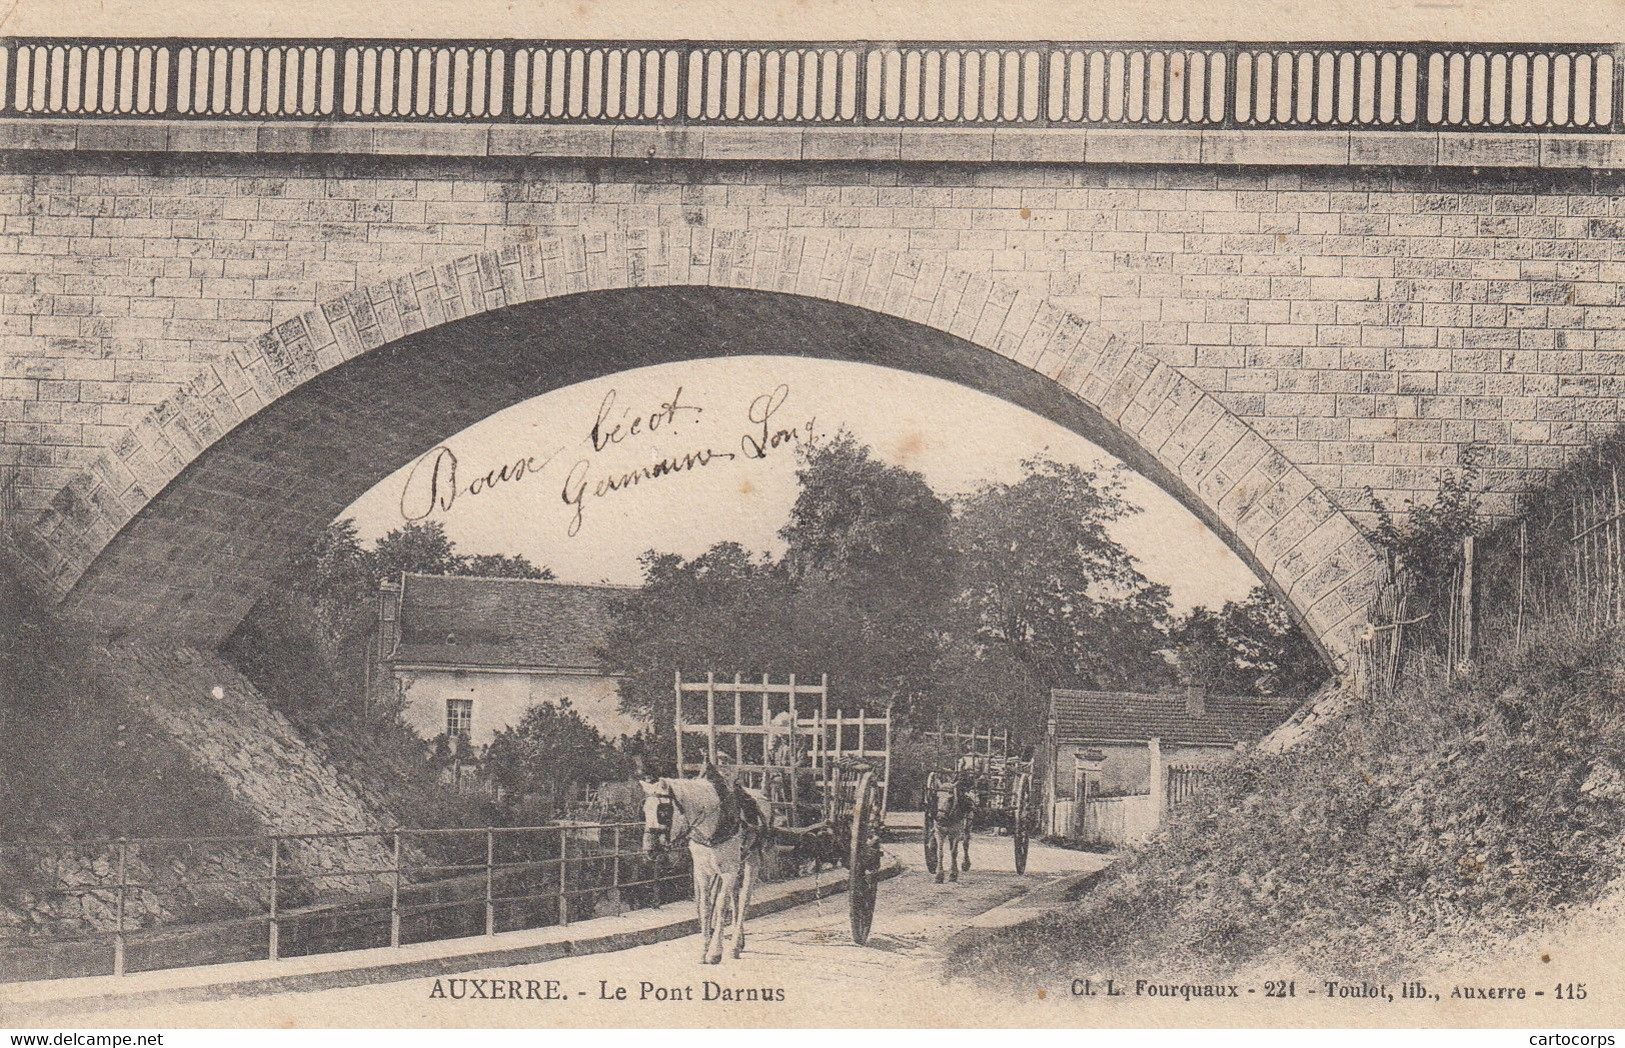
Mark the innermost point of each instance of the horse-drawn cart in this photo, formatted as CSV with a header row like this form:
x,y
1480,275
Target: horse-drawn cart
x,y
823,773
1002,787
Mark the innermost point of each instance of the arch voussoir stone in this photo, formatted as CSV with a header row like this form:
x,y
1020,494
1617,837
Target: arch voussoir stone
x,y
1308,550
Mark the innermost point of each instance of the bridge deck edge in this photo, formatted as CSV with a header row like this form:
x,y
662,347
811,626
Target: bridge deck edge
x,y
1229,148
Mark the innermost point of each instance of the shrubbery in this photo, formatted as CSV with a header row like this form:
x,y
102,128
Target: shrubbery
x,y
549,752
1417,824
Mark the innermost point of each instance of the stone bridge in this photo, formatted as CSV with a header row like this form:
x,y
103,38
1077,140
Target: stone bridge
x,y
241,282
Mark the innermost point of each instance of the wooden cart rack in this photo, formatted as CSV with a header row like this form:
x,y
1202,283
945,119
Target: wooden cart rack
x,y
824,771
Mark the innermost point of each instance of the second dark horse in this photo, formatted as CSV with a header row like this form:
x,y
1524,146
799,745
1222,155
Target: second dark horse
x,y
952,803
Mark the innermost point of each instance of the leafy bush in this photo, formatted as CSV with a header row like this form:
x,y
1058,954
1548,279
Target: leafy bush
x,y
1427,545
548,752
383,756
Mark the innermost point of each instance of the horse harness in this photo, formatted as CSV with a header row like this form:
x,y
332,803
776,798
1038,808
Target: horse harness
x,y
732,818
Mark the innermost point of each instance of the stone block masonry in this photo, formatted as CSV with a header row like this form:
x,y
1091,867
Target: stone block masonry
x,y
1369,324
1280,340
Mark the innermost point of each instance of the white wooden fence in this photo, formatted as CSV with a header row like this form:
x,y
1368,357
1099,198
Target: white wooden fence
x,y
1119,821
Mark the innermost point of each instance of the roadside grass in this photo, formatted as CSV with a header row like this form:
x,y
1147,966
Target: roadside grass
x,y
1430,823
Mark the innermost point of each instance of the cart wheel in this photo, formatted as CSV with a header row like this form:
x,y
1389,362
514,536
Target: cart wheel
x,y
931,856
1022,825
863,865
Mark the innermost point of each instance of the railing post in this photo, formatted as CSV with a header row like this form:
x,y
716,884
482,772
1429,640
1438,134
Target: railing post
x,y
123,880
1617,92
860,115
274,944
490,894
395,896
510,97
8,102
615,870
1232,81
685,55
174,80
1046,63
564,866
1423,88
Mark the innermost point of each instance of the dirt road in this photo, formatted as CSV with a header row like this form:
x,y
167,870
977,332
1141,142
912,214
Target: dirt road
x,y
800,967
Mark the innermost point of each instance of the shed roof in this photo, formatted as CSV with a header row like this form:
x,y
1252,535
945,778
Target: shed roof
x,y
464,620
1083,717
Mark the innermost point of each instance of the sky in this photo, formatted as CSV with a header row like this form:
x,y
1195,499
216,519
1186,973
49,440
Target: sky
x,y
957,438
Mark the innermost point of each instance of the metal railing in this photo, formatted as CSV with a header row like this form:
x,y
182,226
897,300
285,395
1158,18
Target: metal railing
x,y
1259,86
275,896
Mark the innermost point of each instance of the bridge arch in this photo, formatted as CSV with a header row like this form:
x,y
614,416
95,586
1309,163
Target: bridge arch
x,y
180,525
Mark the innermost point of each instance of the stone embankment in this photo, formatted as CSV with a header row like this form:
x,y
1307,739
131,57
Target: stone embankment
x,y
1325,705
285,782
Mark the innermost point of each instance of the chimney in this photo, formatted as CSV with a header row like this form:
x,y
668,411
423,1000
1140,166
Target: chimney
x,y
1195,701
389,614
378,683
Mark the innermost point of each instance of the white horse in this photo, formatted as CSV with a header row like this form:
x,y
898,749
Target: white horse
x,y
728,830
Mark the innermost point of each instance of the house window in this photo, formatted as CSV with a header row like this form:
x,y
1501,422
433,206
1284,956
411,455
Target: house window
x,y
459,717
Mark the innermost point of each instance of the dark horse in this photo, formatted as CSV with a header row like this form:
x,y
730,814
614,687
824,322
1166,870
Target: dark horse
x,y
952,803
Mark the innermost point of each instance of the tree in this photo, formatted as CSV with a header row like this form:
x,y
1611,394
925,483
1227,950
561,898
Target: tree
x,y
860,593
420,547
1044,585
500,566
985,684
337,576
548,752
722,611
1249,647
871,564
424,548
302,644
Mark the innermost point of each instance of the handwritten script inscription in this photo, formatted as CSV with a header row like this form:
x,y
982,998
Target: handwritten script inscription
x,y
438,479
762,436
432,484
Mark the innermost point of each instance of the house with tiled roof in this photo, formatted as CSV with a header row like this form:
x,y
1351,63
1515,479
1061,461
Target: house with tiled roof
x,y
1118,746
467,656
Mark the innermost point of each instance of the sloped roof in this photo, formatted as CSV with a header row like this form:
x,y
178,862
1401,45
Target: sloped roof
x,y
463,620
1101,716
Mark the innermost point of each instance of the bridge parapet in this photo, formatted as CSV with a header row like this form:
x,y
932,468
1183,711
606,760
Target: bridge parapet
x,y
1512,88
